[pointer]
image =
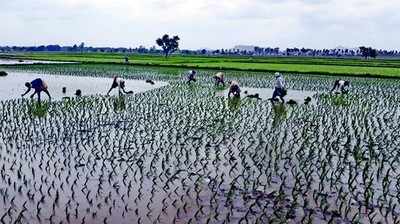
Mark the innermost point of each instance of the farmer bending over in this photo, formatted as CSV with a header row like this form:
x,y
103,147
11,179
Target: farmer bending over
x,y
191,76
120,83
280,90
219,79
234,89
341,86
38,85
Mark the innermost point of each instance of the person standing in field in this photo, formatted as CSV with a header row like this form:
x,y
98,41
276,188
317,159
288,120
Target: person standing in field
x,y
219,79
120,83
340,87
38,85
234,89
192,76
280,90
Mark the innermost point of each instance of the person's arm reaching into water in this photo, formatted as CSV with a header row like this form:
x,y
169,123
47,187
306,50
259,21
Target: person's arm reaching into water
x,y
122,88
27,91
126,92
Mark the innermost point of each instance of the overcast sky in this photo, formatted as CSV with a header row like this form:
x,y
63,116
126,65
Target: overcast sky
x,y
202,23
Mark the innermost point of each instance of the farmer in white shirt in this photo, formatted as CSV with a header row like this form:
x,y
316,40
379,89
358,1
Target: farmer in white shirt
x,y
341,86
120,83
219,79
279,87
191,76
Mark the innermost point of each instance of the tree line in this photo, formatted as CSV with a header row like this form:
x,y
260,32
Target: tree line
x,y
170,44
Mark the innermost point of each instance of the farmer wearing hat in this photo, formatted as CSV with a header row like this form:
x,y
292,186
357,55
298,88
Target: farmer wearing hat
x,y
234,89
280,90
38,85
219,79
191,76
120,83
341,86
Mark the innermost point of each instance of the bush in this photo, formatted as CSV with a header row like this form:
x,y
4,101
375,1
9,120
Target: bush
x,y
3,73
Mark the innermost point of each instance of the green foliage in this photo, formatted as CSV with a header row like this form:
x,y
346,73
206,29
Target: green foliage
x,y
368,52
234,103
221,88
37,109
119,104
169,45
279,113
341,100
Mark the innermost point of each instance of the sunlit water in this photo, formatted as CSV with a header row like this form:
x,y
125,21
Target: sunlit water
x,y
12,86
4,61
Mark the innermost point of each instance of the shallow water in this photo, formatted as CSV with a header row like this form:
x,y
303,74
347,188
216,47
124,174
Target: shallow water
x,y
12,86
4,61
181,155
266,93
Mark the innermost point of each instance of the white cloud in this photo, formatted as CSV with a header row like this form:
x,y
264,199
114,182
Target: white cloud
x,y
202,23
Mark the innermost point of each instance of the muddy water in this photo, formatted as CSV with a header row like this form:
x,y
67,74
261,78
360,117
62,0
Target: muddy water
x,y
12,86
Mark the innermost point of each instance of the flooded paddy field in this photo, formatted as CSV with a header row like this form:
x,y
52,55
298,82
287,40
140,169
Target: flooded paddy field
x,y
6,61
12,85
182,154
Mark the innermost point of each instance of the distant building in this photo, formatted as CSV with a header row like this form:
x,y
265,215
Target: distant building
x,y
247,48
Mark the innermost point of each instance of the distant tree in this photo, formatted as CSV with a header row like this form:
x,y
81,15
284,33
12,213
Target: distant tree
x,y
368,52
53,48
364,52
373,53
168,45
204,51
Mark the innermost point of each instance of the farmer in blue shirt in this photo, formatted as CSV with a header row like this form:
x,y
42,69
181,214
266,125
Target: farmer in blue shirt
x,y
38,85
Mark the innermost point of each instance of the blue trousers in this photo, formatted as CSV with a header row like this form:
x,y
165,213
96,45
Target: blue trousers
x,y
278,92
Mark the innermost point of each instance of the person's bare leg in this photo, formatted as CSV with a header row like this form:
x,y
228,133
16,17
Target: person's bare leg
x,y
38,96
47,92
109,91
335,85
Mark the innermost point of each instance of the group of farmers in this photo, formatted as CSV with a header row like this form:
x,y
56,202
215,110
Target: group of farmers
x,y
340,86
39,86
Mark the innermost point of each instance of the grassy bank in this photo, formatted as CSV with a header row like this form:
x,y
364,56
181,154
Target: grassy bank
x,y
333,66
